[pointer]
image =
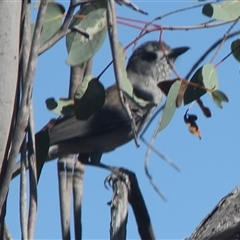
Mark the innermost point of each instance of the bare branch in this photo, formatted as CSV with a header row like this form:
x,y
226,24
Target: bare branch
x,y
76,77
119,203
182,10
125,187
23,192
65,189
157,27
140,211
9,58
112,30
23,114
223,222
77,198
25,49
32,175
166,159
150,146
7,235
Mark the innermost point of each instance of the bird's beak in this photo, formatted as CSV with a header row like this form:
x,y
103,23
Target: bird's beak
x,y
176,52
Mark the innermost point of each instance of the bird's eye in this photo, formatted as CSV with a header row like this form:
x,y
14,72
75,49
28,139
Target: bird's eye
x,y
149,56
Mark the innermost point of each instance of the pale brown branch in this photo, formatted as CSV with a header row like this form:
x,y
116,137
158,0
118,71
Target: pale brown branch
x,y
23,114
77,198
23,192
33,201
223,221
182,10
25,49
65,189
112,30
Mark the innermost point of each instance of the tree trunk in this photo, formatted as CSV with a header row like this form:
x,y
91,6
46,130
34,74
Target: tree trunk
x,y
10,12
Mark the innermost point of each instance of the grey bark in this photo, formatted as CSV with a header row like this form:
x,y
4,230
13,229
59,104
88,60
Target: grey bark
x,y
223,222
9,59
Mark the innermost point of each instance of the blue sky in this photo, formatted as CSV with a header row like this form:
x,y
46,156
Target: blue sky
x,y
209,167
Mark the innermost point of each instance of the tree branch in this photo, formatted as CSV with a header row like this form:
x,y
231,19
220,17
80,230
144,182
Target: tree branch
x,y
23,114
223,222
112,30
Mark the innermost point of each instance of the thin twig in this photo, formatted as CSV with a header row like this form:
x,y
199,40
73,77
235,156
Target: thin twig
x,y
80,31
181,10
207,52
147,163
156,27
161,17
224,39
185,28
166,159
58,36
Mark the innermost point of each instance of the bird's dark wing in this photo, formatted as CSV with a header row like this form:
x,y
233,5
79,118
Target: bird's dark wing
x,y
112,116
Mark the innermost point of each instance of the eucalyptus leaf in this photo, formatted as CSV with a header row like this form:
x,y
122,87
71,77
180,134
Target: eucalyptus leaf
x,y
193,92
52,21
89,98
225,11
235,47
219,97
210,78
88,37
170,106
61,106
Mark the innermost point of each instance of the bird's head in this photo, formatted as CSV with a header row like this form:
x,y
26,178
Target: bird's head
x,y
150,64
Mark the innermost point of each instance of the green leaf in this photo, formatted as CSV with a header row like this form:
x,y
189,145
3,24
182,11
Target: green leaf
x,y
210,79
219,97
60,107
205,76
235,47
52,21
170,107
192,93
225,11
89,98
42,142
80,47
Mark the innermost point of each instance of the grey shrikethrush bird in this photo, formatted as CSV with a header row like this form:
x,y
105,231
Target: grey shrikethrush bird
x,y
110,127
